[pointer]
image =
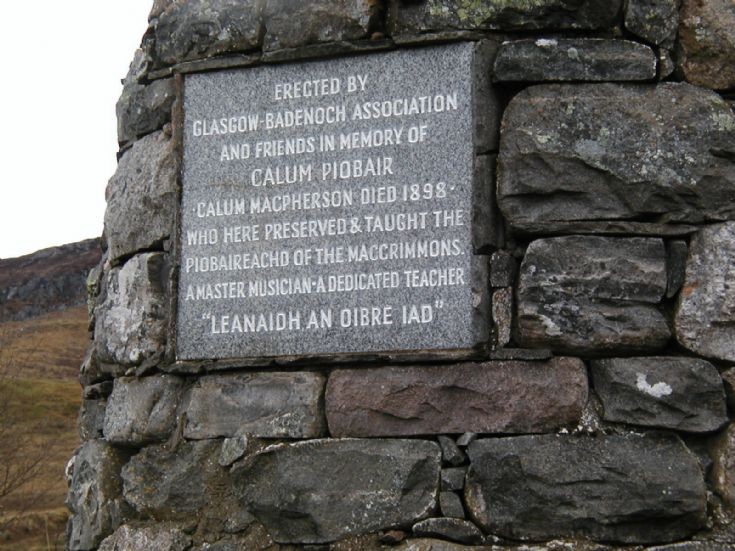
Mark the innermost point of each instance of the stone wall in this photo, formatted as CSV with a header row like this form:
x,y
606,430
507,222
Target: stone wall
x,y
600,415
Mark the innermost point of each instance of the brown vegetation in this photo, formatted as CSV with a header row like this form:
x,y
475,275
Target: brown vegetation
x,y
39,401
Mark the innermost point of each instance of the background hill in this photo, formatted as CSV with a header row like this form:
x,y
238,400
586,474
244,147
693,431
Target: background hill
x,y
43,336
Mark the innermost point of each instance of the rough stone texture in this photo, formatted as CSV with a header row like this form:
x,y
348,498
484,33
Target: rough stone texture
x,y
502,306
655,21
723,470
430,544
141,197
94,498
705,314
668,392
322,490
144,108
450,505
453,479
479,397
267,405
318,21
603,304
639,156
454,529
676,259
503,269
592,59
232,450
197,29
707,42
130,326
450,452
142,410
184,482
442,15
728,377
91,419
146,538
627,488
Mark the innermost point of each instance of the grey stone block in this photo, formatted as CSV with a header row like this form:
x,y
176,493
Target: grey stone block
x,y
267,405
578,59
95,495
453,529
655,21
318,21
667,392
616,158
147,538
199,29
143,410
624,488
142,197
444,15
705,316
131,320
144,108
450,505
323,490
606,303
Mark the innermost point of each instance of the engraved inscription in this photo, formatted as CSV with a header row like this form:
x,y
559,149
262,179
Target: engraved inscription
x,y
327,207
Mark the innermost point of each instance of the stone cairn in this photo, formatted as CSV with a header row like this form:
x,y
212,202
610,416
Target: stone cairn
x,y
599,414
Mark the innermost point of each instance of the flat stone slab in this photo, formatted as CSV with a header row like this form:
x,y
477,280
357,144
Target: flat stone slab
x,y
442,15
606,303
322,490
591,59
669,392
266,405
624,488
490,397
705,315
313,224
595,154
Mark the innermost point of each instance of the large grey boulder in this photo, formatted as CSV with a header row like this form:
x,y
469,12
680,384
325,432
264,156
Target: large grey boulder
x,y
196,29
95,495
291,24
131,320
627,488
146,538
616,158
141,197
677,393
707,43
489,397
705,315
142,410
442,15
267,405
184,482
562,59
144,108
655,21
323,490
601,304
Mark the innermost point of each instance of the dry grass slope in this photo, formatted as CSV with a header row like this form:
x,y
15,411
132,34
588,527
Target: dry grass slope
x,y
44,354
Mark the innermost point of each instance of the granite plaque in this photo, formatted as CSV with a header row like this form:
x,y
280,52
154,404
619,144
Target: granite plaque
x,y
327,208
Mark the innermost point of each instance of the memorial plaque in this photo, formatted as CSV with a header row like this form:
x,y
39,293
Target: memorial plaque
x,y
327,208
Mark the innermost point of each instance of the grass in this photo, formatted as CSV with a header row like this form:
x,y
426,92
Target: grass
x,y
44,396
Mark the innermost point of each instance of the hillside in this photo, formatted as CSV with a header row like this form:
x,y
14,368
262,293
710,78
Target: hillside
x,y
47,280
43,336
